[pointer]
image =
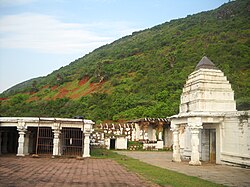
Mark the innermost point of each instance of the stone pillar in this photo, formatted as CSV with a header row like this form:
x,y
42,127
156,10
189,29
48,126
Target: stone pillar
x,y
176,144
133,135
56,142
86,148
195,124
5,142
21,127
145,129
160,129
87,130
26,143
160,136
137,132
20,150
141,135
195,155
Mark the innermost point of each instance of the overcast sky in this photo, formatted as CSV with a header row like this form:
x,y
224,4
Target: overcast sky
x,y
40,36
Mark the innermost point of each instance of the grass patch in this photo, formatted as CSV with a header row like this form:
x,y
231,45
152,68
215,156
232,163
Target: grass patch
x,y
160,176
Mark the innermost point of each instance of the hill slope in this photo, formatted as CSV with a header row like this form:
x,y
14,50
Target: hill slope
x,y
143,74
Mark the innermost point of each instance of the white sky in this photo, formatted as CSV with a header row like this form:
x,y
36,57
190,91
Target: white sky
x,y
38,37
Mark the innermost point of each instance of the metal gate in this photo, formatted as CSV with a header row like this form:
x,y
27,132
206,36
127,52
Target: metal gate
x,y
44,144
71,142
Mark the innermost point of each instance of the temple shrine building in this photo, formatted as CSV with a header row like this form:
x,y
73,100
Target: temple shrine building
x,y
208,126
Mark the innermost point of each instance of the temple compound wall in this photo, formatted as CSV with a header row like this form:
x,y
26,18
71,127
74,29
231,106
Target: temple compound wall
x,y
45,136
208,126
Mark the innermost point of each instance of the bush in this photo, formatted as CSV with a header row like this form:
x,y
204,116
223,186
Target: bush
x,y
132,146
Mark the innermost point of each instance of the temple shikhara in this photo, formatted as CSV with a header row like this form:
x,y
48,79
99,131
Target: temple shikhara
x,y
207,128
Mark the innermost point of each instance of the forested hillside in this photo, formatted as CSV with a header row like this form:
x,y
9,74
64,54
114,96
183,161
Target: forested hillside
x,y
142,75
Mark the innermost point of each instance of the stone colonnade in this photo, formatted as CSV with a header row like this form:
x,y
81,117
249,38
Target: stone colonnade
x,y
145,131
24,136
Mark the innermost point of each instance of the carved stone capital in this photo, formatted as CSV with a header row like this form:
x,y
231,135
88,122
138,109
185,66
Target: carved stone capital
x,y
56,126
21,126
195,125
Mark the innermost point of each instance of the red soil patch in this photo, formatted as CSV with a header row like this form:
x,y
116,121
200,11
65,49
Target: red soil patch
x,y
35,98
54,87
62,93
83,81
93,87
3,99
46,86
75,89
31,93
75,95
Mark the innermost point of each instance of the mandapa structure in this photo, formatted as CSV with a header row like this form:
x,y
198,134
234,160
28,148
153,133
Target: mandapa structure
x,y
152,133
45,136
208,126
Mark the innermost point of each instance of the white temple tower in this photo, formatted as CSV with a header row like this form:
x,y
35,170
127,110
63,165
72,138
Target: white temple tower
x,y
207,89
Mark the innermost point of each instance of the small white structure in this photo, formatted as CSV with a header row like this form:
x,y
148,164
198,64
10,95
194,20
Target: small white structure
x,y
55,136
113,136
208,126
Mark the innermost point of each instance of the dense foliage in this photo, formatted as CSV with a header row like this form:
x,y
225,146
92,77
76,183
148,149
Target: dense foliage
x,y
142,75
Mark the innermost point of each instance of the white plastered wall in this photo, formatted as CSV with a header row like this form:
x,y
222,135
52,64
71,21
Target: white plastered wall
x,y
235,140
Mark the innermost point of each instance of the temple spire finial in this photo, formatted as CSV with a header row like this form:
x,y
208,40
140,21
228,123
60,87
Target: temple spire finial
x,y
205,63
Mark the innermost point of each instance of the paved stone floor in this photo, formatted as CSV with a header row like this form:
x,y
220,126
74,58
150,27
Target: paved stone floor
x,y
18,172
221,174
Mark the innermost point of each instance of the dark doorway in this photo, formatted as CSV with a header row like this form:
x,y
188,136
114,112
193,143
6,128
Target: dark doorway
x,y
212,151
9,137
208,145
112,143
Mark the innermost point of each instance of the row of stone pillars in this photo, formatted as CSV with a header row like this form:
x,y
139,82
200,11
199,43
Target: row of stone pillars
x,y
195,155
144,131
23,140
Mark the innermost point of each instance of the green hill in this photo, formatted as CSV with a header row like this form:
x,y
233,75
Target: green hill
x,y
142,75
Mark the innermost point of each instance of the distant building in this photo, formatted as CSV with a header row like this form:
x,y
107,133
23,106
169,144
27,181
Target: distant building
x,y
153,133
208,126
